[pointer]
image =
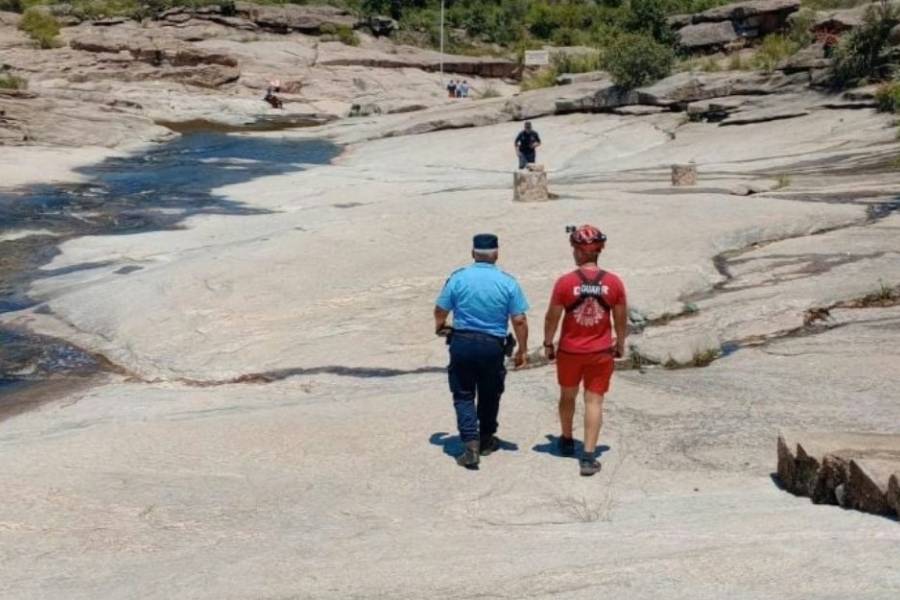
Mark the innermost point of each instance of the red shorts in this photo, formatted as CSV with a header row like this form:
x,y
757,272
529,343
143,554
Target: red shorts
x,y
595,369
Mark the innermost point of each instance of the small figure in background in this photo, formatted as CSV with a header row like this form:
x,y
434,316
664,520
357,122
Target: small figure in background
x,y
270,97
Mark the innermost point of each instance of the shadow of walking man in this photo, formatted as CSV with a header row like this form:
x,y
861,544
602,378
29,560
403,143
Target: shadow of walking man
x,y
551,447
453,446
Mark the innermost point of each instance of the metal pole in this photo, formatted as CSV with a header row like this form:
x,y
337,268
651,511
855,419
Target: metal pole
x,y
442,43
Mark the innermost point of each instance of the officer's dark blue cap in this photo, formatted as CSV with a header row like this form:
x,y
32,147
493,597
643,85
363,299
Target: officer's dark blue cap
x,y
485,241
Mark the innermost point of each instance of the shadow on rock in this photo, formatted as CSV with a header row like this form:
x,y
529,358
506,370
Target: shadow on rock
x,y
551,447
453,446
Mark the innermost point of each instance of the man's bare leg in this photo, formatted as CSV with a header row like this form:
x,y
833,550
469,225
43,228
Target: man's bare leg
x,y
593,420
567,398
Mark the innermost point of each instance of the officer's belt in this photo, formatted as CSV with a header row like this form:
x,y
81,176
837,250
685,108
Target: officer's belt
x,y
466,333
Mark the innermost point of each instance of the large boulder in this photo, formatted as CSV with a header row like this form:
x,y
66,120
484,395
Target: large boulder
x,y
286,18
707,35
743,11
718,26
681,89
167,59
570,78
839,21
808,59
335,54
592,96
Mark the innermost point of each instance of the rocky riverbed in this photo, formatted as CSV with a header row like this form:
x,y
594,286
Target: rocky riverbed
x,y
274,414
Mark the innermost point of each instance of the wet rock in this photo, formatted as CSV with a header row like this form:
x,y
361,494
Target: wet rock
x,y
707,35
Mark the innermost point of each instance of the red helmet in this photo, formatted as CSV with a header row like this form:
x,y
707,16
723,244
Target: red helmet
x,y
587,237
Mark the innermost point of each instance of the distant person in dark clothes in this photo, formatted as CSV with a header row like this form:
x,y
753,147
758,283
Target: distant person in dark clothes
x,y
527,143
451,89
273,100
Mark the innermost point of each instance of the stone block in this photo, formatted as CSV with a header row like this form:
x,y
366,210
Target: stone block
x,y
854,470
893,493
867,486
530,185
683,175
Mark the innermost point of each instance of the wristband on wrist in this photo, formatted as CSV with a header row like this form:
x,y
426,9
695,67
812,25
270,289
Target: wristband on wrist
x,y
546,345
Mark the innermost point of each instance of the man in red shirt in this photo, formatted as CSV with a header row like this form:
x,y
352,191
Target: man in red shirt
x,y
588,297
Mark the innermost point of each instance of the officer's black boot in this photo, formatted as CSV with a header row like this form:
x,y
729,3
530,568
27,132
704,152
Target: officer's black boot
x,y
469,458
489,445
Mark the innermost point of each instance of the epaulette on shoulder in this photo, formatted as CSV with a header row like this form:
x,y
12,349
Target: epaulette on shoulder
x,y
459,270
507,274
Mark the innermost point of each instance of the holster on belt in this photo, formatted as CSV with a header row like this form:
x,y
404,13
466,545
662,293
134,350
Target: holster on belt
x,y
509,345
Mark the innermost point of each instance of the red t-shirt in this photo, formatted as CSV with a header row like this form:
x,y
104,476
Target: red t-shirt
x,y
587,328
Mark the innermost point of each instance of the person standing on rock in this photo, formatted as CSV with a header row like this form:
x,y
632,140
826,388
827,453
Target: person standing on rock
x,y
588,297
451,89
483,300
526,144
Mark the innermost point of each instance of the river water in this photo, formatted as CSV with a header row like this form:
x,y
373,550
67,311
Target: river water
x,y
148,191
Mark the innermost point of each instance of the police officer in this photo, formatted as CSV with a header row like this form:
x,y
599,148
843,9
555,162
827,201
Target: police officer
x,y
483,299
526,144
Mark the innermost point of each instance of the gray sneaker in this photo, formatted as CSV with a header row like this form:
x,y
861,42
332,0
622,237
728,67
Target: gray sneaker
x,y
589,466
469,458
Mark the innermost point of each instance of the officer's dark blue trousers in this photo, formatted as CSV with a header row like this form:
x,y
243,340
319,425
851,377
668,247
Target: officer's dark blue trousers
x,y
476,369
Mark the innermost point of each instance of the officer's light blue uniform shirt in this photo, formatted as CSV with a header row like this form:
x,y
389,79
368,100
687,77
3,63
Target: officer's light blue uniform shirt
x,y
482,298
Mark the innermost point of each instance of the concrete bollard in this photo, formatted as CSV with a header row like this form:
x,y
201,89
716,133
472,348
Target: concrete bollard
x,y
530,185
684,175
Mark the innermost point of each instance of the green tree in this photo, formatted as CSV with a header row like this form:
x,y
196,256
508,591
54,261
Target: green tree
x,y
636,59
649,16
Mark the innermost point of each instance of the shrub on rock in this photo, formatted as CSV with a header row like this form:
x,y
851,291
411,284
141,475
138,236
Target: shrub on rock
x,y
636,59
774,49
40,26
864,53
888,97
11,82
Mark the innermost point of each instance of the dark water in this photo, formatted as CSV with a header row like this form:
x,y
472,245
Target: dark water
x,y
154,190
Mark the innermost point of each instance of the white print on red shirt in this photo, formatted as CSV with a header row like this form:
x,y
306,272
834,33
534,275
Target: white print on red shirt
x,y
589,313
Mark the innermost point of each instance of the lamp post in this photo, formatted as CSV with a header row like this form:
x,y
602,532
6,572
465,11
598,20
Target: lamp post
x,y
442,43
